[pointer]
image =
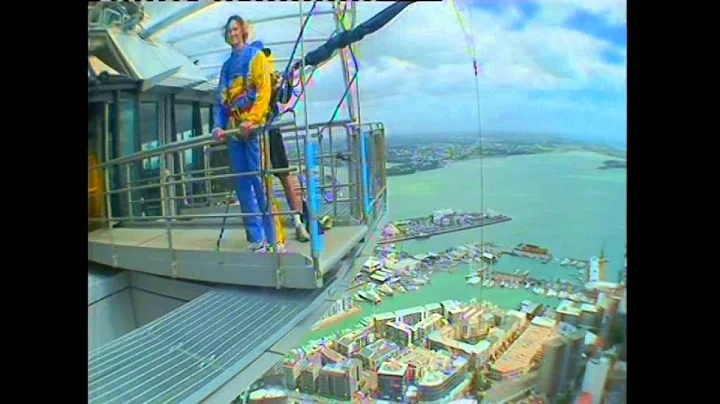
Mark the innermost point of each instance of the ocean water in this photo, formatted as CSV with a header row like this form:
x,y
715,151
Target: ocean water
x,y
560,201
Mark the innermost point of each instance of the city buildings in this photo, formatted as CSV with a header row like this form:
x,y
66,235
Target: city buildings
x,y
524,352
551,368
596,375
380,320
410,316
575,343
308,382
422,330
399,333
392,380
374,354
588,316
438,384
616,388
421,360
291,371
268,396
422,357
561,360
339,380
352,342
531,309
434,308
329,356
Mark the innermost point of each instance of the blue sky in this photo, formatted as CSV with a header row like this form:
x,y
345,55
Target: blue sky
x,y
552,66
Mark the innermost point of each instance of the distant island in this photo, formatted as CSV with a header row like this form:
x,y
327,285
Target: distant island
x,y
608,164
410,155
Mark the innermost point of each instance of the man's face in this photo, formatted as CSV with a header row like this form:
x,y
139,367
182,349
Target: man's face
x,y
235,33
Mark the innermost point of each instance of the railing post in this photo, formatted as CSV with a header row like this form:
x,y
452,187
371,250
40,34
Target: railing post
x,y
129,193
316,240
166,212
106,172
333,173
365,174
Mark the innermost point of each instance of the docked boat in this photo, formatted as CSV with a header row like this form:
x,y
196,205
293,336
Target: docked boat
x,y
532,249
473,281
565,262
370,295
384,288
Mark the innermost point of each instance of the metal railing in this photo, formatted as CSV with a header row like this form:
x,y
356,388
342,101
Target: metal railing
x,y
346,176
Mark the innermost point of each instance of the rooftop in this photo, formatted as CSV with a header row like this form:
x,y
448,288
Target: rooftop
x,y
393,368
544,322
385,316
589,308
378,349
332,354
339,368
515,313
481,346
429,320
400,326
568,307
521,352
419,356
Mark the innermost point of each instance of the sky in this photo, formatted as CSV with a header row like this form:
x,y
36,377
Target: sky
x,y
551,67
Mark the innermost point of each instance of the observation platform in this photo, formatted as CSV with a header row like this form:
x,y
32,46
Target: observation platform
x,y
194,255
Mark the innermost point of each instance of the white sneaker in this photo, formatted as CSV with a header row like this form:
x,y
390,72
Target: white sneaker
x,y
301,233
257,247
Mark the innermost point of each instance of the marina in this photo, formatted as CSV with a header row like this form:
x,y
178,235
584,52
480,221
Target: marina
x,y
391,272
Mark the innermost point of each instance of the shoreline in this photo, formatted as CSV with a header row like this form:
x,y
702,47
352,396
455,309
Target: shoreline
x,y
330,321
605,153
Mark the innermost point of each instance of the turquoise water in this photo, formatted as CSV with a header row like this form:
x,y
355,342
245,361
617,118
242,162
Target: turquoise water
x,y
560,201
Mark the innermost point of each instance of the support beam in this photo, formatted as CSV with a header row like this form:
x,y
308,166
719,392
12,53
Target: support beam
x,y
177,17
157,79
279,60
258,21
226,49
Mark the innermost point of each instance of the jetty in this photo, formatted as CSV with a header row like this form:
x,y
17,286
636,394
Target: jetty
x,y
440,222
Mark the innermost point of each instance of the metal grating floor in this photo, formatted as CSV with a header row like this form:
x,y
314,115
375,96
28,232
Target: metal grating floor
x,y
175,356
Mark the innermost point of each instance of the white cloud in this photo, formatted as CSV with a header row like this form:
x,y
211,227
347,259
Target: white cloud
x,y
614,11
423,51
416,73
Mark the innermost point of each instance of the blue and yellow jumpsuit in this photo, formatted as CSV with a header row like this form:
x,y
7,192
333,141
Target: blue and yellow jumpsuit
x,y
244,95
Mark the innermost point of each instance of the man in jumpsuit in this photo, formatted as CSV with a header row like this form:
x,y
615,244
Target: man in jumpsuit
x,y
243,101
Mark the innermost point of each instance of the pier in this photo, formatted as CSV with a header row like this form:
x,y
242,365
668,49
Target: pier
x,y
425,227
